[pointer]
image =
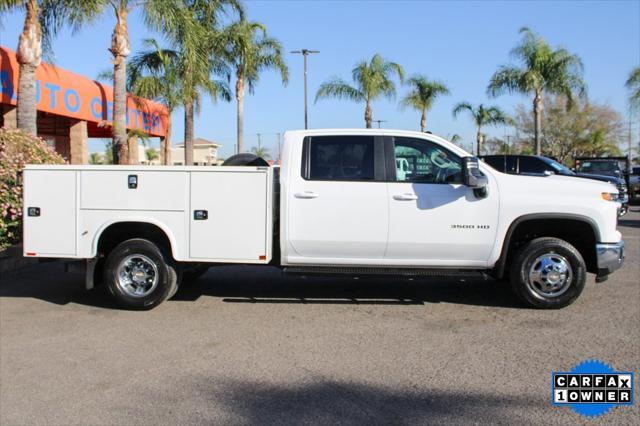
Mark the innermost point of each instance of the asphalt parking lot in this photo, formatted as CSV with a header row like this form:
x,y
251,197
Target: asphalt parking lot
x,y
245,346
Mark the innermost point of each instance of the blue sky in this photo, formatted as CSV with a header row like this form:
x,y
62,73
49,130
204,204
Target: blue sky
x,y
459,42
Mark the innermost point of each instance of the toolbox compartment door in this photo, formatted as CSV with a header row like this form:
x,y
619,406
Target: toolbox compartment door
x,y
50,213
229,216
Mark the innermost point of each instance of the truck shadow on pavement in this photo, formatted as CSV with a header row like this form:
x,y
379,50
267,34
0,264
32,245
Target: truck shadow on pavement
x,y
251,284
323,401
256,284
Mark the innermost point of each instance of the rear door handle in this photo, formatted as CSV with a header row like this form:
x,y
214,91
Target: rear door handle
x,y
405,197
306,195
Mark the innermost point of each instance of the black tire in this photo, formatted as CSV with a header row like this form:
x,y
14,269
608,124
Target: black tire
x,y
558,251
149,255
175,276
245,159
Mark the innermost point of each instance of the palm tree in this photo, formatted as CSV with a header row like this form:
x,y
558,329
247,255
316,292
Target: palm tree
x,y
455,138
43,19
180,75
160,15
262,152
95,158
154,74
151,154
173,18
372,80
422,95
543,70
482,116
633,84
249,50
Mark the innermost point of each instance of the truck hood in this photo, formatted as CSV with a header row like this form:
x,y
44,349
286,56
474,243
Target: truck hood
x,y
558,184
602,178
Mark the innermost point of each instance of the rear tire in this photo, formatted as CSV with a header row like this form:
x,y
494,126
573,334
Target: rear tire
x,y
139,275
548,273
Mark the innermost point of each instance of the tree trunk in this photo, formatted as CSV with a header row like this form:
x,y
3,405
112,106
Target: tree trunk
x,y
423,121
240,106
29,57
537,116
368,115
188,134
479,142
165,145
120,49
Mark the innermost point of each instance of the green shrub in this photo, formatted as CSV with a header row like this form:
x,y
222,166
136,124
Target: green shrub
x,y
17,149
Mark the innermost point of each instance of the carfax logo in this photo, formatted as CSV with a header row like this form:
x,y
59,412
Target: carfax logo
x,y
592,388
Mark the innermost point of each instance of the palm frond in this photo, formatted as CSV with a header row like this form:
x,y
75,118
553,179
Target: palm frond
x,y
510,79
340,89
633,84
105,75
462,106
423,92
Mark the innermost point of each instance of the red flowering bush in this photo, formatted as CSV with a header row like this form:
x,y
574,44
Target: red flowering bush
x,y
17,149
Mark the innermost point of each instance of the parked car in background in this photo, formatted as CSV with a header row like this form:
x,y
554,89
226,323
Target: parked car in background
x,y
540,165
634,183
608,166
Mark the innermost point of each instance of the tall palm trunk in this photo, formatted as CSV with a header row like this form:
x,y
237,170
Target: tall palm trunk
x,y
537,116
188,133
120,49
423,121
368,114
29,57
479,141
240,106
165,144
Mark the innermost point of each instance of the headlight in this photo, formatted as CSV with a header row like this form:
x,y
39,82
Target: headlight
x,y
610,196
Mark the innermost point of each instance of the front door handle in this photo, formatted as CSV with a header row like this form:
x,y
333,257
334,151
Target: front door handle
x,y
306,195
405,197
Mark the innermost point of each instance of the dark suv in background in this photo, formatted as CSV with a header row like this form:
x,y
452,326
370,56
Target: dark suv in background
x,y
539,165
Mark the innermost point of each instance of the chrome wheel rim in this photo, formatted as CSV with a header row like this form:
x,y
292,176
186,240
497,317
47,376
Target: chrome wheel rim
x,y
137,275
550,275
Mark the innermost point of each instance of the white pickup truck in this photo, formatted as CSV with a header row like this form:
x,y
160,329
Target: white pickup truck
x,y
343,201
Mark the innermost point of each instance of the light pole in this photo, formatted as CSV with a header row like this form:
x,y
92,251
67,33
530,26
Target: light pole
x,y
305,53
379,122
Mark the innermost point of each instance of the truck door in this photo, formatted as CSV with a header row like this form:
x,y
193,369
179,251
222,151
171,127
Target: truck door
x,y
434,220
337,202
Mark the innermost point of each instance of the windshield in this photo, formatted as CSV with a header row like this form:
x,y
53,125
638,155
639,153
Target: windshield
x,y
598,166
558,167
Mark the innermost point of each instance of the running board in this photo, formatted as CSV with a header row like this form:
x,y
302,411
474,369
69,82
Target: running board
x,y
382,271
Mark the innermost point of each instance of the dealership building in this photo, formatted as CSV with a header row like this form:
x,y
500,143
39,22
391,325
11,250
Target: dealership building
x,y
72,109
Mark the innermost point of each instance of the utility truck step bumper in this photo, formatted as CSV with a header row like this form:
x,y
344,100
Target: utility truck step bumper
x,y
382,271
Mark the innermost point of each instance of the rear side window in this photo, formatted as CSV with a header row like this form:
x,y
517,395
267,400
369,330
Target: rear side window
x,y
339,158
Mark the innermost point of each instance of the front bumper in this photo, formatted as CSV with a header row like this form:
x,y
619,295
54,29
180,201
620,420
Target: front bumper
x,y
610,257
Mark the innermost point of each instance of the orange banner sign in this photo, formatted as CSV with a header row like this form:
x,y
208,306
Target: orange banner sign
x,y
65,93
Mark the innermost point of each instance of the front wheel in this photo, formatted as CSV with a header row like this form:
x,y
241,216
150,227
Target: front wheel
x,y
139,275
548,273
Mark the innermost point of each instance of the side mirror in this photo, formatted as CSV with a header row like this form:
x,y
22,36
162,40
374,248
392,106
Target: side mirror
x,y
471,175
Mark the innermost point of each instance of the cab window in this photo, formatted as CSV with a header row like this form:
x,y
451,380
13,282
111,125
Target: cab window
x,y
422,161
339,158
